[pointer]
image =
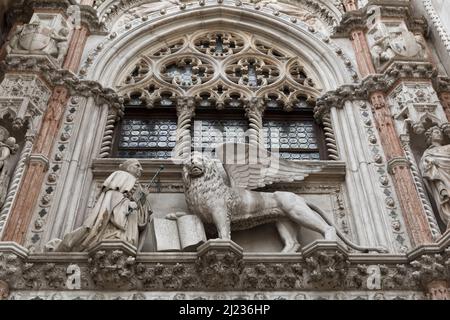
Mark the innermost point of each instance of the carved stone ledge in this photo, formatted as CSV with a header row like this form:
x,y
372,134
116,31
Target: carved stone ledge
x,y
12,257
170,177
397,9
327,264
112,264
90,19
14,248
219,264
431,268
396,72
53,76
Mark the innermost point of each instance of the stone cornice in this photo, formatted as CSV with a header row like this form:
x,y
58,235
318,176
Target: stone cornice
x,y
400,9
172,172
396,72
109,10
320,265
90,19
54,76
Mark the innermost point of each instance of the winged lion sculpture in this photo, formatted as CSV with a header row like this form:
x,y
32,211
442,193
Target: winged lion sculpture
x,y
220,193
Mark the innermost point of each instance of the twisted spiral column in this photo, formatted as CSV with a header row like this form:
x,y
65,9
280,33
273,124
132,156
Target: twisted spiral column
x,y
254,110
107,140
185,113
15,181
330,140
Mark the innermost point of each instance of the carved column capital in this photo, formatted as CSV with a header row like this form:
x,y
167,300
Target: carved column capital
x,y
254,109
254,106
432,273
39,158
401,162
186,107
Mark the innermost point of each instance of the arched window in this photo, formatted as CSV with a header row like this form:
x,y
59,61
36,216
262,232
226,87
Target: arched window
x,y
222,72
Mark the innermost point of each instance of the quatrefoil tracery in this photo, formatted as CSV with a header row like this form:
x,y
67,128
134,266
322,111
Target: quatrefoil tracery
x,y
220,69
219,44
253,71
187,71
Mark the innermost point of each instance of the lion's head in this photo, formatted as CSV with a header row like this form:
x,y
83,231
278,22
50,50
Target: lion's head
x,y
199,165
196,165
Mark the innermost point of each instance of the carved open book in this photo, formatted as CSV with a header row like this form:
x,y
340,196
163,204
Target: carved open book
x,y
183,234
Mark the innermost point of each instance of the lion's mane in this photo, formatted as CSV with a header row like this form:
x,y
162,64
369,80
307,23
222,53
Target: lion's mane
x,y
201,192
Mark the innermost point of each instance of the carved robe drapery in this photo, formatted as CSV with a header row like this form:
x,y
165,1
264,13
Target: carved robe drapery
x,y
120,213
435,168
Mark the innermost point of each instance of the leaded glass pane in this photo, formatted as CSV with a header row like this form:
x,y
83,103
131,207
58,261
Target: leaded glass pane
x,y
209,133
295,140
147,138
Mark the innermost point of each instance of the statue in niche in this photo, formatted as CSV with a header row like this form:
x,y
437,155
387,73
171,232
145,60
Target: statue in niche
x,y
8,147
40,38
435,169
220,194
120,213
390,41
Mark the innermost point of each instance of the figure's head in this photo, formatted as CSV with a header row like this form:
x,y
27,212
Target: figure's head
x,y
132,166
11,142
434,135
195,165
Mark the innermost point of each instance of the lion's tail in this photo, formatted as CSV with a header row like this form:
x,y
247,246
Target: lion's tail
x,y
342,237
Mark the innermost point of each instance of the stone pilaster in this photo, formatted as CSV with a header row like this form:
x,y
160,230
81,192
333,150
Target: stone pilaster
x,y
361,48
28,192
398,166
374,53
76,48
66,52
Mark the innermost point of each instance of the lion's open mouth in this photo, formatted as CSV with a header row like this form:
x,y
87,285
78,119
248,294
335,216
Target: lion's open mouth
x,y
196,171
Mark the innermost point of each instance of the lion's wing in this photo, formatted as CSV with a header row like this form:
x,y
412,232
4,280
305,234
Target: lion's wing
x,y
254,167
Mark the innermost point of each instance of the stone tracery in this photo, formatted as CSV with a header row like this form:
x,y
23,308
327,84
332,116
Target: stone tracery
x,y
225,71
258,92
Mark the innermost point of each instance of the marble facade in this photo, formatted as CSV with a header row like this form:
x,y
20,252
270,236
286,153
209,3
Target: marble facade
x,y
376,76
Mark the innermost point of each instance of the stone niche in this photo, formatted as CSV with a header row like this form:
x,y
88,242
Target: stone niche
x,y
167,197
47,34
391,40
